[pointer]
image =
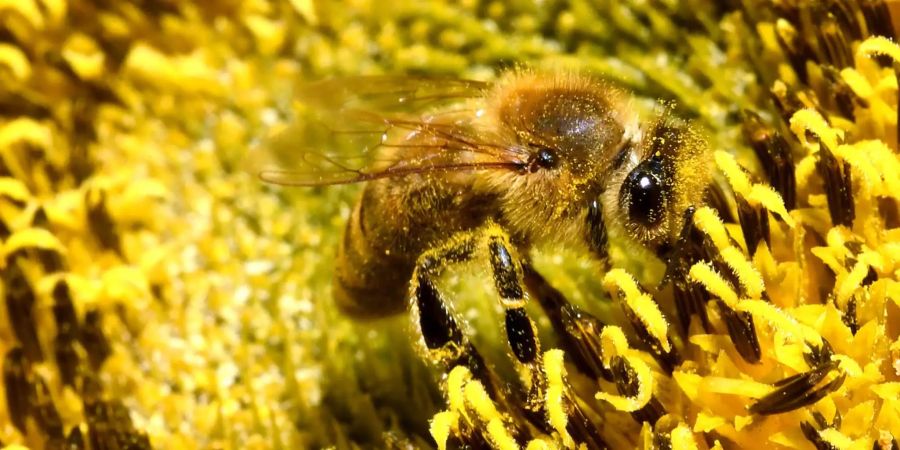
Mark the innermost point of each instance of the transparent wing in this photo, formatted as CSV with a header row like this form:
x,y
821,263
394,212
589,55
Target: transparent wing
x,y
388,93
364,128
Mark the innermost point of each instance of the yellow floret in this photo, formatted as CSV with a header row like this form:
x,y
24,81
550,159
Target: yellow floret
x,y
642,304
755,193
879,45
770,198
555,395
540,444
29,9
15,61
500,436
705,274
682,438
851,282
729,166
857,82
648,312
86,59
614,343
707,422
269,34
25,130
442,425
14,189
708,221
32,238
810,120
748,276
836,438
645,389
478,398
456,382
620,279
780,320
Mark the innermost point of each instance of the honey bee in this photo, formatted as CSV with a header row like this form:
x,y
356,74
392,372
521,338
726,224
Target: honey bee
x,y
533,158
453,168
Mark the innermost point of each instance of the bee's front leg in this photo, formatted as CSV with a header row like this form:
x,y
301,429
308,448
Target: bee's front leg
x,y
515,279
579,333
507,273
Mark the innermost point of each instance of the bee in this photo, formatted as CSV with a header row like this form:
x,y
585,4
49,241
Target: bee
x,y
456,168
539,158
453,168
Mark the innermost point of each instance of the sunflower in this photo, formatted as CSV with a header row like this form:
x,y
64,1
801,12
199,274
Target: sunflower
x,y
157,295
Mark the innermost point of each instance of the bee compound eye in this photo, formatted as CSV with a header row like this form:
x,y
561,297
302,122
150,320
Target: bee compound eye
x,y
645,196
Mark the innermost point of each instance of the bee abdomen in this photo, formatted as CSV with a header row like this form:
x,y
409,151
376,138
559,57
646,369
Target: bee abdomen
x,y
369,281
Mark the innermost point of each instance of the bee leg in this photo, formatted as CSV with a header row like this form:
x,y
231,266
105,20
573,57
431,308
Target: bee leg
x,y
507,272
511,274
438,327
444,341
447,345
521,332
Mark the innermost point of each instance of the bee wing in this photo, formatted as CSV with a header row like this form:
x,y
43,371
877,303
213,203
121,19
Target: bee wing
x,y
388,93
355,117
